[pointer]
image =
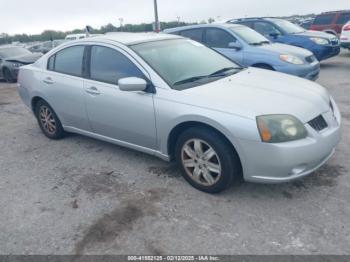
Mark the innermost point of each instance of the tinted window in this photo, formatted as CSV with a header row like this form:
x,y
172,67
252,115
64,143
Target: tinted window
x,y
109,65
343,18
248,35
324,19
194,34
51,63
266,28
246,23
69,61
218,38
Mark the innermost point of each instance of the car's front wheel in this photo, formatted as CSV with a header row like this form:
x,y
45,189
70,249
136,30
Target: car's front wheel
x,y
48,120
207,161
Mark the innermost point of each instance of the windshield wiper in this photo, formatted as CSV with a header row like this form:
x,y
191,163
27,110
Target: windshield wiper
x,y
218,73
223,70
189,80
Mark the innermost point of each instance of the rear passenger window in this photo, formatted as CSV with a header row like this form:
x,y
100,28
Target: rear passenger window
x,y
343,19
194,34
51,63
324,19
68,61
108,65
218,38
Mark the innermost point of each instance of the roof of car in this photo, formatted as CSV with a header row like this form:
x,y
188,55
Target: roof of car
x,y
222,25
254,18
131,38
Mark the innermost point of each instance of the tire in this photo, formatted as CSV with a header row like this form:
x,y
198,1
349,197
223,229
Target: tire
x,y
48,121
8,76
208,174
263,66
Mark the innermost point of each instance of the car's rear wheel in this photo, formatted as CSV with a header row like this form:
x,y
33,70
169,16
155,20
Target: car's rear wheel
x,y
8,76
207,161
48,120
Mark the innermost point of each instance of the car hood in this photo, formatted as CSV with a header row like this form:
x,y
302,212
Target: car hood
x,y
24,59
254,92
320,34
286,50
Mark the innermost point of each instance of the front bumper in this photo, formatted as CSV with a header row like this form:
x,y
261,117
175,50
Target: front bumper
x,y
284,162
325,52
307,71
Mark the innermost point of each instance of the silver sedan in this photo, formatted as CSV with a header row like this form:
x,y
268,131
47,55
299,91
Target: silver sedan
x,y
179,100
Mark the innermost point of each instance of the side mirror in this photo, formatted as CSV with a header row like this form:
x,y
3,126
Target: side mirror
x,y
130,84
274,35
235,45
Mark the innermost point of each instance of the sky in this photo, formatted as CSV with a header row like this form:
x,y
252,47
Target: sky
x,y
35,16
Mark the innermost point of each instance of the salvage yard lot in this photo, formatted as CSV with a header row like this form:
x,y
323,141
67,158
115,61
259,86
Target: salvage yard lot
x,y
79,195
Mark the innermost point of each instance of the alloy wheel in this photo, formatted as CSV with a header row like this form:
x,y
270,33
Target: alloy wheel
x,y
47,120
201,162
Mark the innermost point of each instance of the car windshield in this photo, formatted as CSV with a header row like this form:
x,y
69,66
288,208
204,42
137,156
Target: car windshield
x,y
184,63
13,52
250,36
289,27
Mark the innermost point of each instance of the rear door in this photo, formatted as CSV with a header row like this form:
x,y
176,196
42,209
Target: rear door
x,y
62,84
219,40
125,116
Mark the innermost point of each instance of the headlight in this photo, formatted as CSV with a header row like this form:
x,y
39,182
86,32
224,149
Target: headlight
x,y
291,59
320,41
280,128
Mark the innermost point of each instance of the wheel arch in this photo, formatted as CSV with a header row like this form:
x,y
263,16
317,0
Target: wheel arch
x,y
181,127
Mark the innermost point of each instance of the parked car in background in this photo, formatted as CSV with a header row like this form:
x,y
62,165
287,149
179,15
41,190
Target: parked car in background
x,y
45,46
12,58
75,37
247,47
177,99
345,36
331,22
321,44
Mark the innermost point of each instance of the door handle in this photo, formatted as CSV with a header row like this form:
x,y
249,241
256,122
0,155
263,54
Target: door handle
x,y
48,80
93,91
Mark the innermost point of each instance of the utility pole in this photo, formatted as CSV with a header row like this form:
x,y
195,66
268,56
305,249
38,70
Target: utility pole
x,y
157,24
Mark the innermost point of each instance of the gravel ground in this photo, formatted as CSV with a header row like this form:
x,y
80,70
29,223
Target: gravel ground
x,y
82,196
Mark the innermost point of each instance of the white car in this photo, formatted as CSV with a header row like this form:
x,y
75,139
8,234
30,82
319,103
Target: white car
x,y
345,36
178,99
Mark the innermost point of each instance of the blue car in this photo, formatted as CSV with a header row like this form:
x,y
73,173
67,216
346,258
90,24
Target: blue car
x,y
321,44
249,48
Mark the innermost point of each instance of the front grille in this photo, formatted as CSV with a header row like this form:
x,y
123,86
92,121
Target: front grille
x,y
310,59
318,123
335,41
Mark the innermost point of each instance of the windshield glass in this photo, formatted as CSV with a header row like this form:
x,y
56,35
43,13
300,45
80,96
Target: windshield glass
x,y
248,35
289,27
184,63
13,52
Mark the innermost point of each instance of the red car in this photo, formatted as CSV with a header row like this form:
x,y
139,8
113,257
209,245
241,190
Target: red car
x,y
331,22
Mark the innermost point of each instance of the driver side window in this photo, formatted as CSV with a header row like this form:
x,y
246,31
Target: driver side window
x,y
266,29
217,38
108,65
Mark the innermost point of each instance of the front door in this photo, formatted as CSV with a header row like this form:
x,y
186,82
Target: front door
x,y
124,116
219,40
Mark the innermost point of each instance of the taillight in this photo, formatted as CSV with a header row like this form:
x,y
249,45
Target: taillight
x,y
346,27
